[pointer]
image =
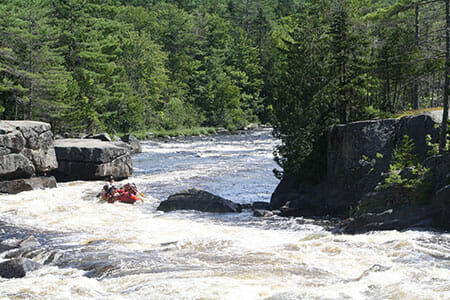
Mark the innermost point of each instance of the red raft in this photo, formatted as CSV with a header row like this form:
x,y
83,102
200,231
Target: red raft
x,y
126,194
123,196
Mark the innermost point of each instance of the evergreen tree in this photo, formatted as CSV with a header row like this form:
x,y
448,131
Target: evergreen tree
x,y
33,80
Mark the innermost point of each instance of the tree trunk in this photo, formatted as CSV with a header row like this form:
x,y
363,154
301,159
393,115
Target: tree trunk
x,y
415,100
443,139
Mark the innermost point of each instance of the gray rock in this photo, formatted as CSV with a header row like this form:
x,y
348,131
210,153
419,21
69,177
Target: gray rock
x,y
17,267
286,190
87,150
347,144
20,185
358,155
246,205
393,219
199,200
124,145
91,159
133,142
417,127
441,206
260,205
4,248
26,149
16,165
261,213
29,242
101,136
440,168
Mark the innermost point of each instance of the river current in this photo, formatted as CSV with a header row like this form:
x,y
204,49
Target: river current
x,y
94,250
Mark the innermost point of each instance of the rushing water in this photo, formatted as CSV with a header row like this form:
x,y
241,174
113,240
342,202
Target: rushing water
x,y
94,250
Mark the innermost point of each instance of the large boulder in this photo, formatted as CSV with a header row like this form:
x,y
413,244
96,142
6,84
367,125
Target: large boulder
x,y
16,186
26,149
358,156
91,159
199,200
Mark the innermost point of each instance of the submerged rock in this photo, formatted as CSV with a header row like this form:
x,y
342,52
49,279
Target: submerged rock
x,y
199,200
262,213
260,205
17,267
393,219
29,242
20,185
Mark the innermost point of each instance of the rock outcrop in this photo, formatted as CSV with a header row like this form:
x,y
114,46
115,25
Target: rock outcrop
x,y
91,159
133,142
26,150
199,200
441,206
358,160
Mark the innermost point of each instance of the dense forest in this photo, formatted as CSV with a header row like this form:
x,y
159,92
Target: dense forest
x,y
300,65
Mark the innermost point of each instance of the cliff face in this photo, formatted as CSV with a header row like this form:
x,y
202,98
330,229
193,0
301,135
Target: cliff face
x,y
358,156
26,150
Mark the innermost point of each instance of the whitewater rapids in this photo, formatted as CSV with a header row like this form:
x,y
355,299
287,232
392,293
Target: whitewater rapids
x,y
95,250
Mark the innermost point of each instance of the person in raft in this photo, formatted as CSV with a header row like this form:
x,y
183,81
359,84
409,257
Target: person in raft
x,y
127,193
109,189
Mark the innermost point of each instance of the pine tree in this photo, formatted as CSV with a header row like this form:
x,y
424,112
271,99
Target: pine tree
x,y
34,80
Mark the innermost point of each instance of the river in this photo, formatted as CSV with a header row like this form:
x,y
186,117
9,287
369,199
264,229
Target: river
x,y
94,250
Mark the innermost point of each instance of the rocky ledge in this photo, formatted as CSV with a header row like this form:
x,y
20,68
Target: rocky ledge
x,y
91,159
26,155
358,164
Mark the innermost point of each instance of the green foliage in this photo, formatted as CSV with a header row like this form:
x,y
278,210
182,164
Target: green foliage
x,y
434,147
417,181
302,66
403,155
127,65
371,113
161,133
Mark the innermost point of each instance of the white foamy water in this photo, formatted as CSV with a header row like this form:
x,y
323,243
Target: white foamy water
x,y
96,250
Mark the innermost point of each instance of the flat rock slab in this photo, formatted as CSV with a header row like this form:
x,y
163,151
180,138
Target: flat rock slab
x,y
199,200
87,150
91,159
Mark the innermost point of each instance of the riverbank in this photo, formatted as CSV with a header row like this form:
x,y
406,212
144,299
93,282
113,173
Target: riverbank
x,y
181,132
